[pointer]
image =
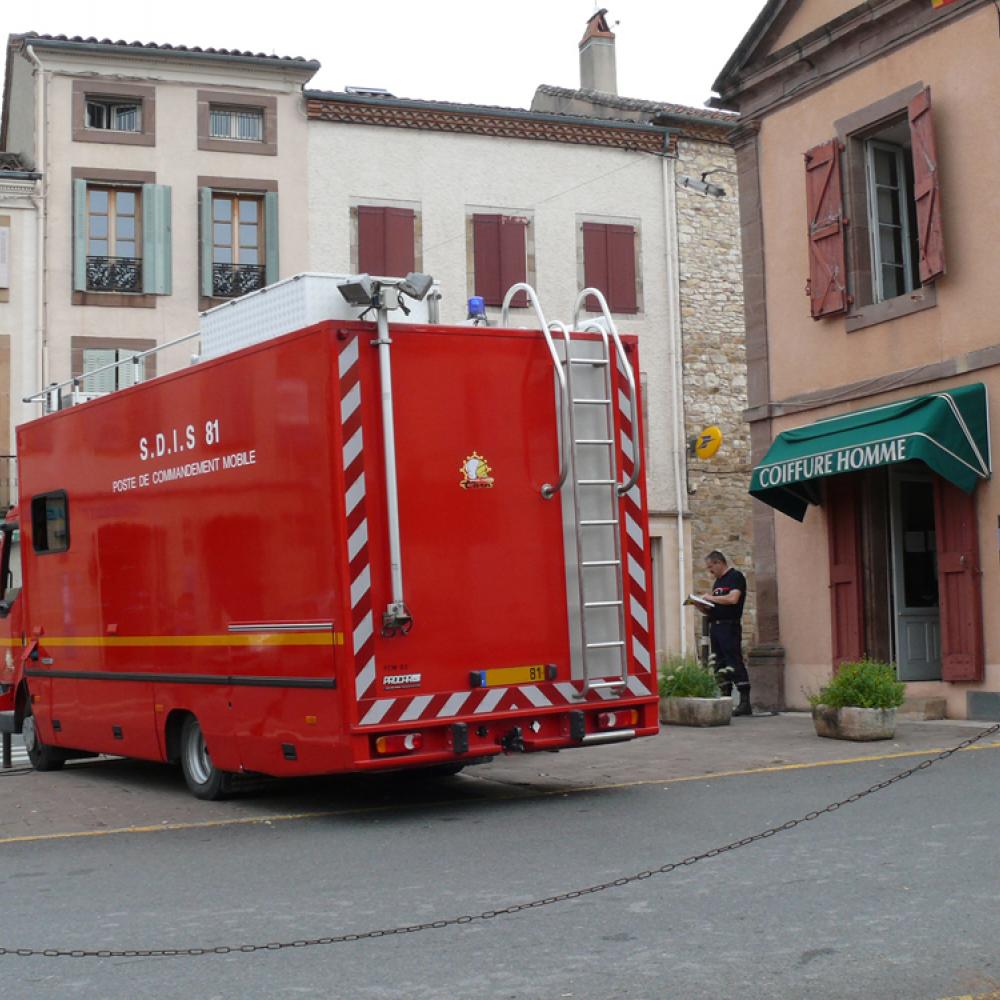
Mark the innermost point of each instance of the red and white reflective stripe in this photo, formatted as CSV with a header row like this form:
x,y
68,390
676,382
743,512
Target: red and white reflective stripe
x,y
637,586
482,701
362,620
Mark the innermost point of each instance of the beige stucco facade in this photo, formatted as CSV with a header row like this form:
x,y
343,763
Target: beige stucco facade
x,y
44,125
941,336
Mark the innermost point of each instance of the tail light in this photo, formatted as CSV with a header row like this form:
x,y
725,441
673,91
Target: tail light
x,y
399,743
622,719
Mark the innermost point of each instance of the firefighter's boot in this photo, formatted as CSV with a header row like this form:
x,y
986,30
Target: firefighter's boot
x,y
743,708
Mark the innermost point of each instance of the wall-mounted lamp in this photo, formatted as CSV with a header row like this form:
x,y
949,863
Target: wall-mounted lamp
x,y
704,186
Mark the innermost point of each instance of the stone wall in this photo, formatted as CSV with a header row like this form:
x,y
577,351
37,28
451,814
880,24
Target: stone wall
x,y
715,385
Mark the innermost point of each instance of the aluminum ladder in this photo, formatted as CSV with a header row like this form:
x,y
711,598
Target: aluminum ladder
x,y
588,453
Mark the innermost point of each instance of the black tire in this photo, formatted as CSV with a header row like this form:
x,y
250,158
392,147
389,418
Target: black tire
x,y
42,756
203,778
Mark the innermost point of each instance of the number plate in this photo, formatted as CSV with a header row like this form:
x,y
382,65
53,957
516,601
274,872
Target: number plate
x,y
534,674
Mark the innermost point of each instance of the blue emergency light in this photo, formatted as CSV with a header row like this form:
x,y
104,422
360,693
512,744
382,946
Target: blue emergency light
x,y
477,307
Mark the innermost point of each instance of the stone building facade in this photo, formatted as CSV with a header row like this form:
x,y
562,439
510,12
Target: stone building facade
x,y
709,311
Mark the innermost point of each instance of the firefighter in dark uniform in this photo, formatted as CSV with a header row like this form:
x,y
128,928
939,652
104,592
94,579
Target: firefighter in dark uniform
x,y
726,631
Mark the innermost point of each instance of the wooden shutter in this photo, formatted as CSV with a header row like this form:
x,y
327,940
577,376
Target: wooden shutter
x,y
825,207
270,237
926,187
500,257
371,240
595,261
621,269
959,583
609,265
385,240
79,235
205,198
846,598
399,232
156,239
513,257
486,258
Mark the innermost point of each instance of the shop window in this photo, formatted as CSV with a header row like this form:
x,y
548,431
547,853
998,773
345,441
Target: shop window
x,y
610,252
50,522
386,240
239,241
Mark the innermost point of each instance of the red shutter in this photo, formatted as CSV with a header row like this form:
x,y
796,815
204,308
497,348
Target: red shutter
x,y
959,583
385,240
824,204
399,230
513,256
371,239
621,269
595,261
846,603
926,187
486,258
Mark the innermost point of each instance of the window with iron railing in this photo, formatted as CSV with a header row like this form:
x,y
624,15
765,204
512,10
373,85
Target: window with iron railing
x,y
238,264
244,124
113,262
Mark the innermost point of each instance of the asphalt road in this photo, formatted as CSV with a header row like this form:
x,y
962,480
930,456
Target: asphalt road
x,y
895,896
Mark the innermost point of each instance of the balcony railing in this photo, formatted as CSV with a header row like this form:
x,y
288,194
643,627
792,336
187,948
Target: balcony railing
x,y
114,274
230,280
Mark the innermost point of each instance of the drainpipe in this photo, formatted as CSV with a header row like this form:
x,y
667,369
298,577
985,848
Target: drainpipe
x,y
675,367
41,123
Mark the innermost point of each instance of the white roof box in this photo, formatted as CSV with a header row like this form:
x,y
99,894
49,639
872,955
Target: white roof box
x,y
291,304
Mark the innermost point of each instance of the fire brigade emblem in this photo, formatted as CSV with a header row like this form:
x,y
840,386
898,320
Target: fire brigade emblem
x,y
475,473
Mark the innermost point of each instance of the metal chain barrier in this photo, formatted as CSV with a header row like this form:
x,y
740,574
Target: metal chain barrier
x,y
503,911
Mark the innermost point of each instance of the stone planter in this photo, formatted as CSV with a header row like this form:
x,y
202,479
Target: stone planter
x,y
854,723
696,711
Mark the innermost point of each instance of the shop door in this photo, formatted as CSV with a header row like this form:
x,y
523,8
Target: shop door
x,y
915,580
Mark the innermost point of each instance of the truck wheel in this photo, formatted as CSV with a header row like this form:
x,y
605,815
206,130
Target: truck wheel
x,y
204,779
42,756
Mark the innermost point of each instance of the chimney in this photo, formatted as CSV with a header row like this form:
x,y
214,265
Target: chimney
x,y
597,56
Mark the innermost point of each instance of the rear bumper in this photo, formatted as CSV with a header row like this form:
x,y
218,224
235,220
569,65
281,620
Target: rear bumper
x,y
422,743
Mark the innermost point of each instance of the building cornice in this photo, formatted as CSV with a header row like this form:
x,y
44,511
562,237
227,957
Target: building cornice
x,y
506,123
861,35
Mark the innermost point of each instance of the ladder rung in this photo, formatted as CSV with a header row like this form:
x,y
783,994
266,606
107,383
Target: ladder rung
x,y
604,645
592,402
596,482
602,562
597,524
593,441
588,361
603,604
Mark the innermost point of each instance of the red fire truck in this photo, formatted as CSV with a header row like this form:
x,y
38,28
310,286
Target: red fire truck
x,y
354,546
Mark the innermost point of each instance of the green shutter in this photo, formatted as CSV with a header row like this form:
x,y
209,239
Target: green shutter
x,y
205,197
156,239
79,236
271,237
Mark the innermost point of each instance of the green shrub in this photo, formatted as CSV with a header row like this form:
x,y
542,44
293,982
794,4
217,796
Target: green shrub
x,y
685,677
864,684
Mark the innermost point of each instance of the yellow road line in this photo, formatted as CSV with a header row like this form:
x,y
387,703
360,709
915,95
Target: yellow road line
x,y
519,795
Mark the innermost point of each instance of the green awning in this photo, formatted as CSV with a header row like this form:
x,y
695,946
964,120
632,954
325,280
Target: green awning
x,y
948,431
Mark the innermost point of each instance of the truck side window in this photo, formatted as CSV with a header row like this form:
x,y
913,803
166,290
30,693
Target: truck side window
x,y
50,522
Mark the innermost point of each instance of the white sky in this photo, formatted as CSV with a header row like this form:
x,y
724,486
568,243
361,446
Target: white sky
x,y
468,51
